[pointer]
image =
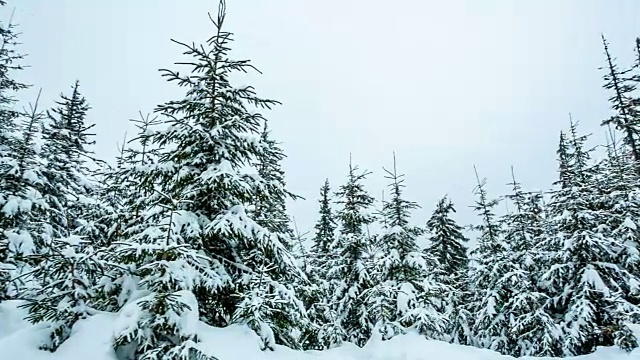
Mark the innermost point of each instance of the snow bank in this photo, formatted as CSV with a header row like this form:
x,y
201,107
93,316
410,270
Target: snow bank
x,y
91,339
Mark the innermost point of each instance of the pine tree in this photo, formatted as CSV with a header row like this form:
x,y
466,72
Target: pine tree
x,y
490,325
23,213
10,62
447,246
583,277
350,269
325,229
207,154
71,188
532,329
626,118
326,331
404,295
66,264
563,162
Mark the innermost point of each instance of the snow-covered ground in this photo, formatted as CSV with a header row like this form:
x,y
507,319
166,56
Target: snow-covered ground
x,y
91,339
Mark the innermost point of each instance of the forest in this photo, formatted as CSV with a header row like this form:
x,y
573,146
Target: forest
x,y
189,224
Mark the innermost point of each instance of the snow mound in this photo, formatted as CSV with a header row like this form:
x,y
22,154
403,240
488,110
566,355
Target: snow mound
x,y
91,339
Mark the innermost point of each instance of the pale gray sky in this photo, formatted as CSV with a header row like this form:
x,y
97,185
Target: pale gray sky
x,y
446,84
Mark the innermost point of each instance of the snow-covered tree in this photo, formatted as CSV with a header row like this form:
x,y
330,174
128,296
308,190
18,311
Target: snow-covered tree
x,y
11,189
65,263
70,187
350,269
447,245
326,331
124,198
325,235
24,210
207,153
404,294
490,294
623,102
584,278
532,329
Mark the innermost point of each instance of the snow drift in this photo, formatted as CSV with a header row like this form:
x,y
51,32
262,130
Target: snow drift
x,y
91,339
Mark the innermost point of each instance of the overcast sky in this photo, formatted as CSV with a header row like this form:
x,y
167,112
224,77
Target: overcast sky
x,y
446,84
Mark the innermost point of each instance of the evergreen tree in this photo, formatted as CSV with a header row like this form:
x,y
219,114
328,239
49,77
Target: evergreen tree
x,y
124,199
207,154
583,277
10,61
490,294
350,270
66,263
532,329
563,161
71,188
626,118
326,330
24,211
404,295
447,246
325,230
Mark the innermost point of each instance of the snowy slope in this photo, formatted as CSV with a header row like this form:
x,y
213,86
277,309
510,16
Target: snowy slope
x,y
91,339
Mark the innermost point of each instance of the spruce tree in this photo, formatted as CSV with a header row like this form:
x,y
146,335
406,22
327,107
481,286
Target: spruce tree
x,y
532,328
490,294
207,154
350,270
325,229
71,188
66,265
447,245
626,117
404,295
124,200
326,330
10,62
24,211
582,275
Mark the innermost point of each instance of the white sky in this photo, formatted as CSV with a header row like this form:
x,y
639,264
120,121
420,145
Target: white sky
x,y
446,84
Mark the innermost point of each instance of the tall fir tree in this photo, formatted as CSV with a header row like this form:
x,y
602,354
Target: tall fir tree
x,y
207,156
10,62
326,331
532,328
447,244
24,212
404,295
71,188
626,116
490,324
325,228
67,264
582,274
350,269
